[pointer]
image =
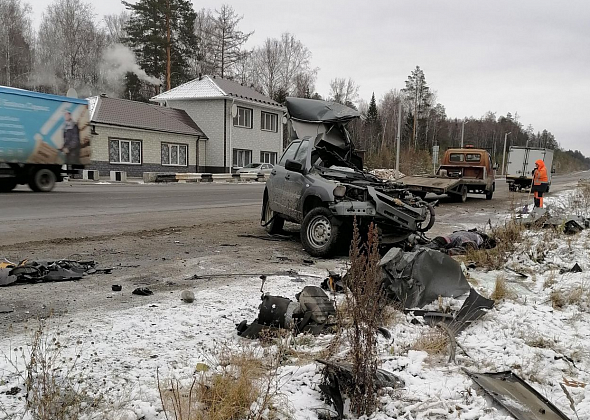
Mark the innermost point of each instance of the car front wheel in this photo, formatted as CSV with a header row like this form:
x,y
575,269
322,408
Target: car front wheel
x,y
272,222
319,233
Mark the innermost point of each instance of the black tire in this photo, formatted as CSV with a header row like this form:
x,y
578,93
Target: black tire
x,y
319,233
431,220
276,222
7,185
42,180
461,197
489,195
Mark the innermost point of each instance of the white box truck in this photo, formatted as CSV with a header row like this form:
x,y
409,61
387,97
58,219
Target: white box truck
x,y
521,163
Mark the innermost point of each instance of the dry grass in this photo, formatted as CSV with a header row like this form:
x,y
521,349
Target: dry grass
x,y
434,342
579,296
243,386
550,280
507,239
501,290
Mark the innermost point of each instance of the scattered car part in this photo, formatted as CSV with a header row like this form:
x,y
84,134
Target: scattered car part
x,y
187,296
28,271
516,396
575,269
420,277
116,287
142,291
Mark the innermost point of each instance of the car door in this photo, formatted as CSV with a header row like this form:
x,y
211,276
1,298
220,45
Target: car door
x,y
276,182
295,183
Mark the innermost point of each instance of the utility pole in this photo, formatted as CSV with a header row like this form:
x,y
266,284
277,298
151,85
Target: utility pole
x,y
462,133
504,154
397,138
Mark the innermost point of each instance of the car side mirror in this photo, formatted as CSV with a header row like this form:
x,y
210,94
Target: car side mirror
x,y
294,166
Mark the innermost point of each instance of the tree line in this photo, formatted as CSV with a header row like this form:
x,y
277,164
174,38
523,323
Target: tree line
x,y
155,45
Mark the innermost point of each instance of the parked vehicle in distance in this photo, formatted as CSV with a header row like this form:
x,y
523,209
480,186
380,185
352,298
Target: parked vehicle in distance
x,y
319,182
462,171
256,168
42,138
520,165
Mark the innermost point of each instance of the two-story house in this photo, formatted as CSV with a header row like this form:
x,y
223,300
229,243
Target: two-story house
x,y
242,125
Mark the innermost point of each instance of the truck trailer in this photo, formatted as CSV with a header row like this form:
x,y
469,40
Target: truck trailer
x,y
43,138
521,163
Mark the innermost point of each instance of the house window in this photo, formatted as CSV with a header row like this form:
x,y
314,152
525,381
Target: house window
x,y
243,118
125,151
242,157
174,154
268,157
269,121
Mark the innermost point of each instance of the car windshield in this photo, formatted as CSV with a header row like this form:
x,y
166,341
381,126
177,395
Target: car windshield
x,y
252,165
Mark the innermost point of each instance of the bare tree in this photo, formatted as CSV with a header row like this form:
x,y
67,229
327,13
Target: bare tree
x,y
16,43
296,63
227,40
268,61
115,25
344,91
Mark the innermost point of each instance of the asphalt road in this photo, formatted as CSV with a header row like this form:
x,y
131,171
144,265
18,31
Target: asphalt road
x,y
76,210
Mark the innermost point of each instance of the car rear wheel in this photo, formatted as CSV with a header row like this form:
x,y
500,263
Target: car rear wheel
x,y
489,195
319,234
461,195
273,223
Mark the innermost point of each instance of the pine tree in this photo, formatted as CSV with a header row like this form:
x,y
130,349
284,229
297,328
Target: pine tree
x,y
372,113
161,33
418,95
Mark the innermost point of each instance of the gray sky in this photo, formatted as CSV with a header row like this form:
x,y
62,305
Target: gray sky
x,y
530,57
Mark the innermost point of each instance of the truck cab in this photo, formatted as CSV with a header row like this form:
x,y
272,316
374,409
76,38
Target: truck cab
x,y
473,166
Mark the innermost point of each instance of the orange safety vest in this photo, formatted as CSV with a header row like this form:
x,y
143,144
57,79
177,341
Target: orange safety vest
x,y
541,173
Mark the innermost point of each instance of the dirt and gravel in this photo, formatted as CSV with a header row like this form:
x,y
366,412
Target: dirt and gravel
x,y
163,250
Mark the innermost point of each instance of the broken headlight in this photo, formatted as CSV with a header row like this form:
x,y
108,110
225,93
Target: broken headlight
x,y
339,191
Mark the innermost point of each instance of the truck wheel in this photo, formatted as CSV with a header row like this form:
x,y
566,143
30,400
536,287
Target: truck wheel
x,y
461,197
319,234
272,222
7,185
42,180
431,219
489,195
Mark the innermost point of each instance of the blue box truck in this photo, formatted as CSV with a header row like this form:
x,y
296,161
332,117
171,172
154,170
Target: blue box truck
x,y
42,138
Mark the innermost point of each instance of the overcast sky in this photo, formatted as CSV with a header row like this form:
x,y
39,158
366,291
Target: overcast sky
x,y
526,57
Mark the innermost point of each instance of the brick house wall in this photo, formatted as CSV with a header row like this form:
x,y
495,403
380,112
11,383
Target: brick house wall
x,y
151,159
209,114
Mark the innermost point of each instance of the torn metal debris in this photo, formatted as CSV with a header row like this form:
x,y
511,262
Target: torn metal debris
x,y
313,312
46,271
338,379
420,277
516,396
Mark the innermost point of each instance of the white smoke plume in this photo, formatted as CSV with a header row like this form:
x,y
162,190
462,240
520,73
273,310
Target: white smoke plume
x,y
118,60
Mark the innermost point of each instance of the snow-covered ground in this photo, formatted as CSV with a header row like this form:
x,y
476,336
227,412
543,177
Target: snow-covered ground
x,y
119,352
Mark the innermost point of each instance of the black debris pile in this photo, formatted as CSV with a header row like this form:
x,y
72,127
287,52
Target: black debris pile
x,y
142,291
338,380
460,242
571,225
28,271
312,312
575,269
418,278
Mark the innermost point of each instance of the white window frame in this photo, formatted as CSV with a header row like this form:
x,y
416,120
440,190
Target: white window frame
x,y
269,118
170,146
130,141
244,117
245,154
266,157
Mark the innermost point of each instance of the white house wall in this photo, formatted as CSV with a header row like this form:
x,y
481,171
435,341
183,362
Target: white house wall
x,y
208,114
151,150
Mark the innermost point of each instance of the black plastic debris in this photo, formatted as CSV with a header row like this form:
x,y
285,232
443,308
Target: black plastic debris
x,y
474,307
116,287
516,396
420,277
338,380
46,271
142,291
575,269
313,312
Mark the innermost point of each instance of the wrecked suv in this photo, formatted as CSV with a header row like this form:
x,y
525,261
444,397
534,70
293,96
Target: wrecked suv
x,y
320,183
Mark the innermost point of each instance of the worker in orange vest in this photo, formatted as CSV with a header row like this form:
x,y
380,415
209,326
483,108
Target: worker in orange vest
x,y
540,182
